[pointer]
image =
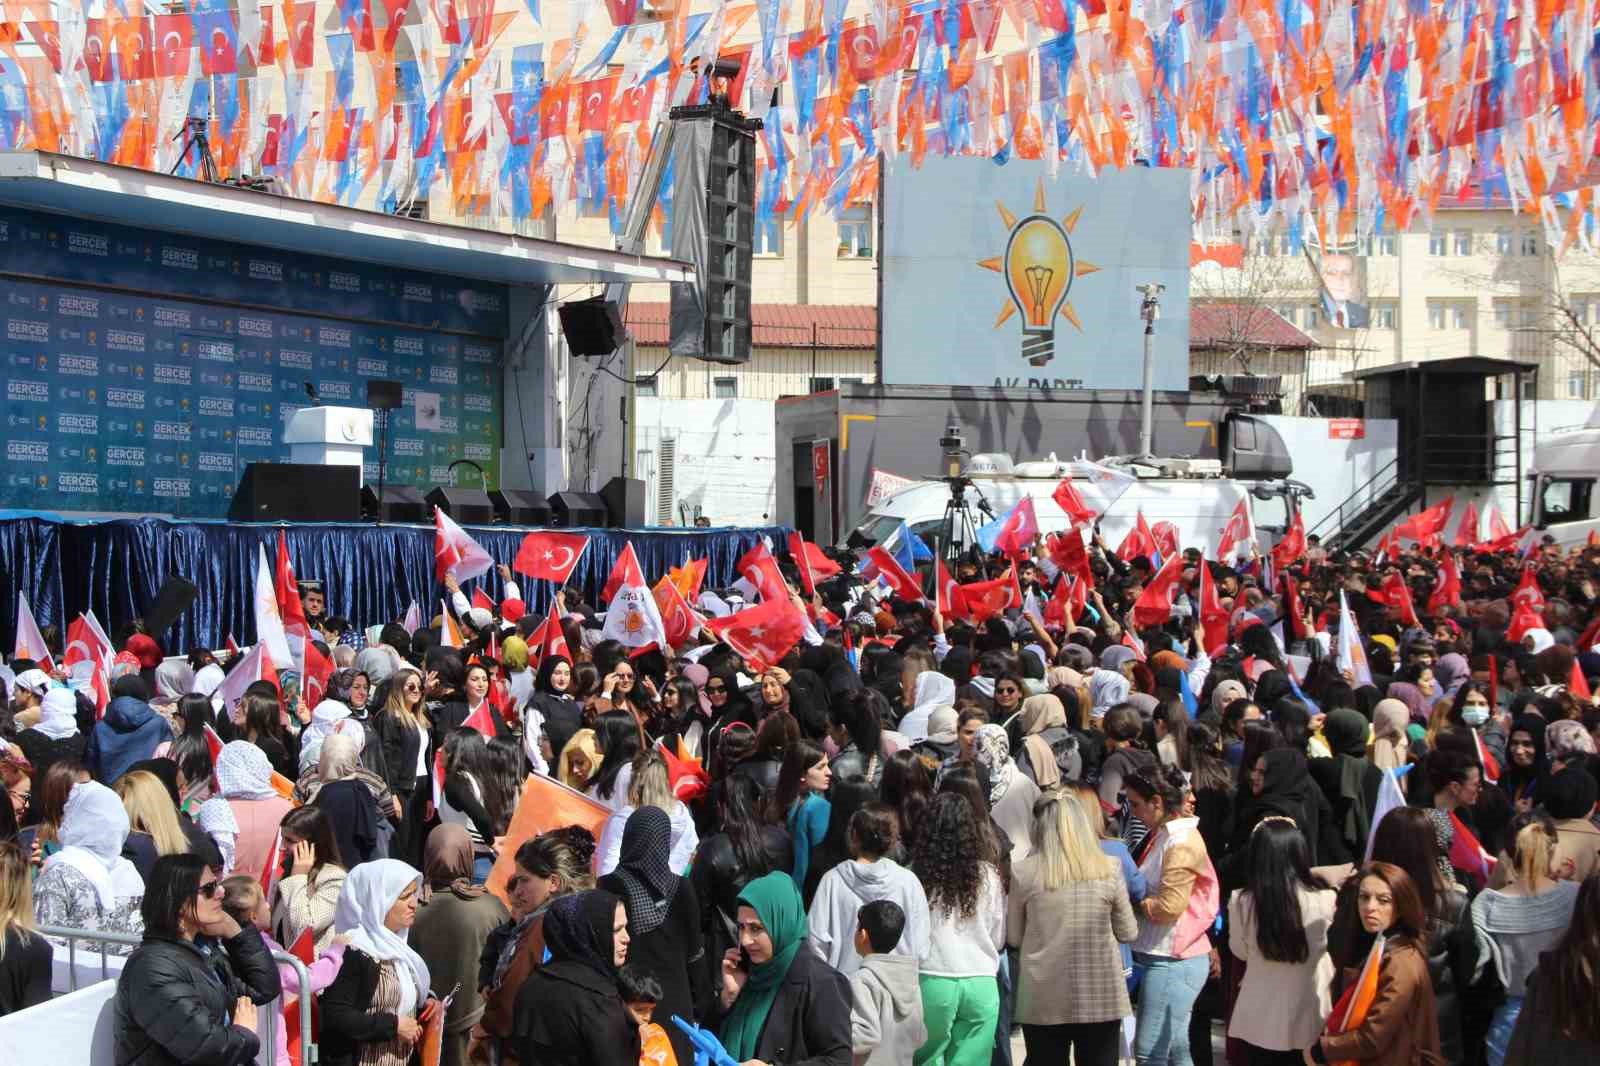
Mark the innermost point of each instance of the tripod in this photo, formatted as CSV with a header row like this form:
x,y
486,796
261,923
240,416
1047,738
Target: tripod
x,y
195,137
959,525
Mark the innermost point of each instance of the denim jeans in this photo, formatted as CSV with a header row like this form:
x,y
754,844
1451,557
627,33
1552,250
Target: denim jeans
x,y
1166,999
1499,1037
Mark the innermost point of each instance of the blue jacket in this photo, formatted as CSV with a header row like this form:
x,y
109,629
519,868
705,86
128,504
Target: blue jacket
x,y
129,733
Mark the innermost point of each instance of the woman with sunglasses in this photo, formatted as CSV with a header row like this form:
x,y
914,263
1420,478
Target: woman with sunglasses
x,y
403,730
189,992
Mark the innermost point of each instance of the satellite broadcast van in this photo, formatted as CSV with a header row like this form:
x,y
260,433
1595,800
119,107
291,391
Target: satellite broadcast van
x,y
1565,466
1192,494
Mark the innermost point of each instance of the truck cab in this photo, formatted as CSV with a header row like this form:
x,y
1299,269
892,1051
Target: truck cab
x,y
1562,480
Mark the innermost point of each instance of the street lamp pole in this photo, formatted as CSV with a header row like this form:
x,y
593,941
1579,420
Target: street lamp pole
x,y
1149,311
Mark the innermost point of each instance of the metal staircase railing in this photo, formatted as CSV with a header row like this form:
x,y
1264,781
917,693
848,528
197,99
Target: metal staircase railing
x,y
1369,493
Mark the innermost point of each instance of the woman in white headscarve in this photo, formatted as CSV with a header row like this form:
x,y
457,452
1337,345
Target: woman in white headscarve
x,y
174,678
933,690
243,816
374,1011
324,723
56,735
88,884
1107,688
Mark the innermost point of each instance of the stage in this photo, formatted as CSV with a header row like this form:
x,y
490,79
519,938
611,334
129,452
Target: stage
x,y
370,572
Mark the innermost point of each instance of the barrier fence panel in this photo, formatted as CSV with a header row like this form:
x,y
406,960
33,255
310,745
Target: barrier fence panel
x,y
269,1016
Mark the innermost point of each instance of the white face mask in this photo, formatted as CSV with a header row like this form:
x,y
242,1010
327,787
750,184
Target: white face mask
x,y
1475,716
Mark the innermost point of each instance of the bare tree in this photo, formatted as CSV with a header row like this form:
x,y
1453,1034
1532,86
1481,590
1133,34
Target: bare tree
x,y
1248,297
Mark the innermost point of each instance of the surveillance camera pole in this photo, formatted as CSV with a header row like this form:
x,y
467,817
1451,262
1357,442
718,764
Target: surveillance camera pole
x,y
1149,310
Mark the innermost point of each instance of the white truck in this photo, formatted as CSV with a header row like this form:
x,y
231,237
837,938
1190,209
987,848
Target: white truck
x,y
1192,494
1562,475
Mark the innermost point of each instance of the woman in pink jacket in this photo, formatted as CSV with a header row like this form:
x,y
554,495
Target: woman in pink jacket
x,y
1172,947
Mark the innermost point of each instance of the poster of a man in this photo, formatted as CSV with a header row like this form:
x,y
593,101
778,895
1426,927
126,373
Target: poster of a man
x,y
1342,292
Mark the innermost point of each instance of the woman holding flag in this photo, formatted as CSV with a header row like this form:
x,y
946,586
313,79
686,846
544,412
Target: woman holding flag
x,y
1385,1013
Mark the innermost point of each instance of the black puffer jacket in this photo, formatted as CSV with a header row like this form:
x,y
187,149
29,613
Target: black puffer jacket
x,y
175,1001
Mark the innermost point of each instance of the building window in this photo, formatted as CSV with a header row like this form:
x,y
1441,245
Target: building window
x,y
646,385
1578,311
1502,241
821,384
1287,312
724,388
1388,244
1383,316
1436,314
1438,243
1313,316
1463,242
1461,316
1575,385
1502,314
1264,246
856,232
768,237
1530,243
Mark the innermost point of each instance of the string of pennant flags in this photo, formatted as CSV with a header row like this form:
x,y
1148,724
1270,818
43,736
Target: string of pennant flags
x,y
1323,118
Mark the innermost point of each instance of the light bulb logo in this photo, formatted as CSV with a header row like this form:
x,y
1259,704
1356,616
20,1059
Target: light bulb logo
x,y
1039,267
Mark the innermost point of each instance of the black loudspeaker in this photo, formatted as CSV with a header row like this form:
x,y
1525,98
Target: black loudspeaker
x,y
401,503
592,327
383,395
714,228
174,598
624,498
470,507
297,492
516,508
574,509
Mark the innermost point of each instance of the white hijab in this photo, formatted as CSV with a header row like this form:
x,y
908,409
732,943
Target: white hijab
x,y
174,678
59,714
324,723
370,889
93,830
243,772
933,691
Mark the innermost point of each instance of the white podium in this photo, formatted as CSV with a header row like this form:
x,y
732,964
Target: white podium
x,y
329,436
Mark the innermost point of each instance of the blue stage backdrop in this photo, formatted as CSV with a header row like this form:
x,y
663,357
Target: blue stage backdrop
x,y
371,573
145,370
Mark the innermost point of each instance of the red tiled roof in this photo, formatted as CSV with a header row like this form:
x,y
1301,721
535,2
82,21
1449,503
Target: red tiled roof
x,y
776,325
1223,324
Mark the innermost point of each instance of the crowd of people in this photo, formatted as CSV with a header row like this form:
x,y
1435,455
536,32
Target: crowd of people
x,y
914,833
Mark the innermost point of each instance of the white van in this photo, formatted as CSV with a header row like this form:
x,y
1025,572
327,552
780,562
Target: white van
x,y
1192,494
1565,466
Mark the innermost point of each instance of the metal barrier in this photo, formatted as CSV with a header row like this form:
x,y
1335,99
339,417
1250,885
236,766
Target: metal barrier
x,y
268,1019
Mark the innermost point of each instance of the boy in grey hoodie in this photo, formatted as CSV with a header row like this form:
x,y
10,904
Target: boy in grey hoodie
x,y
886,1026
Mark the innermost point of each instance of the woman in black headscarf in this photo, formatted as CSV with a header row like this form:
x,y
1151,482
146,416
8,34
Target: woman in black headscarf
x,y
1279,784
1349,781
1272,687
552,698
568,1012
1526,767
663,919
809,703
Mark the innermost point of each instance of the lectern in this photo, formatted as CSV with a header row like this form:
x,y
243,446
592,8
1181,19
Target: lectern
x,y
329,436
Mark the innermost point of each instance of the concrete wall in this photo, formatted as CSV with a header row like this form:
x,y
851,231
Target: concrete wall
x,y
724,458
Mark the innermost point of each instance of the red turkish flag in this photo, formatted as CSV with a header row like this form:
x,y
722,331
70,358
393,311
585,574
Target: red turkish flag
x,y
1426,524
1498,529
945,589
287,591
762,634
679,619
1467,531
550,555
1447,590
979,601
633,105
1523,619
1577,684
1154,605
1398,595
759,568
1067,498
482,720
1213,619
901,583
1293,544
1139,541
174,45
455,553
812,563
1058,610
1235,534
47,35
1166,534
1068,553
595,111
135,54
97,51
1528,593
1292,608
318,670
626,571
481,598
301,20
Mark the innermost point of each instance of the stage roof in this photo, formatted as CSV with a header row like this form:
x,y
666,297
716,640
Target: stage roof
x,y
85,188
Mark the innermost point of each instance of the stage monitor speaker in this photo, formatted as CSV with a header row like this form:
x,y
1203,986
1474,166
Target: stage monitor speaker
x,y
401,503
384,395
469,507
624,498
592,327
176,595
516,508
574,509
297,492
